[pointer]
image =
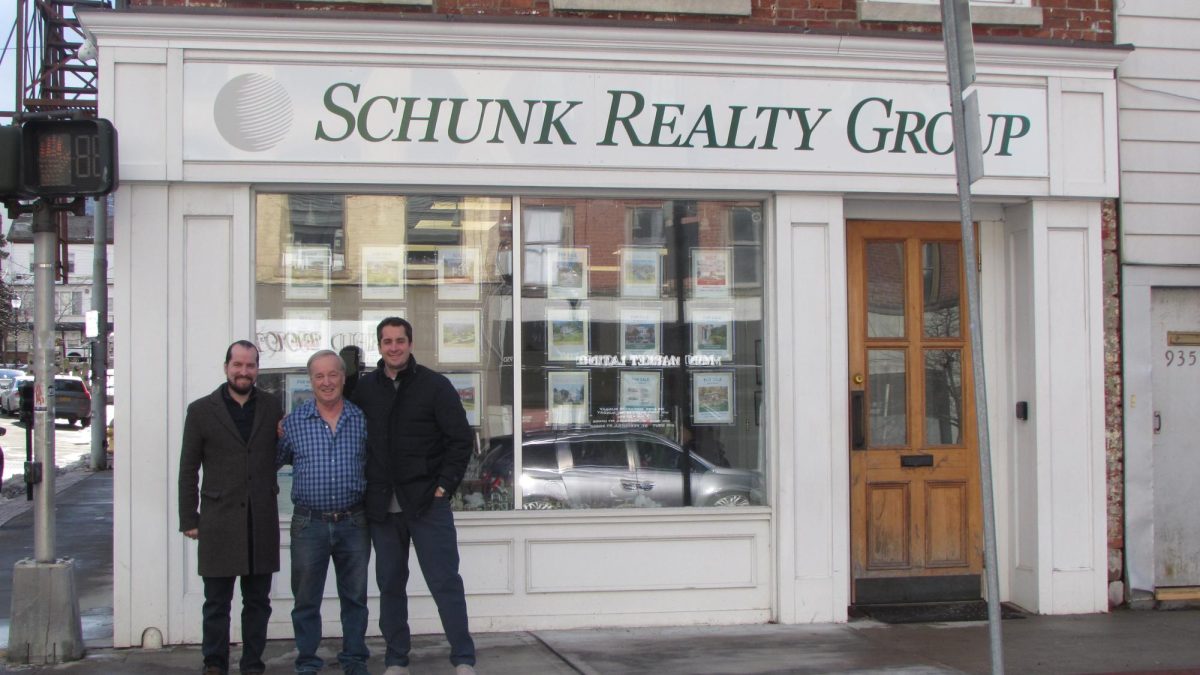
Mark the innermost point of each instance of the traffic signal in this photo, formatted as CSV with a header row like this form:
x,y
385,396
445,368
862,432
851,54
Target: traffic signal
x,y
68,158
58,158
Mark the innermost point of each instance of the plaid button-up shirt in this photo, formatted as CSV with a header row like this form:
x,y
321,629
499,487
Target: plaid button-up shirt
x,y
327,464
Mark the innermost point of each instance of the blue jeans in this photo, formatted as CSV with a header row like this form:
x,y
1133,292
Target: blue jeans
x,y
436,541
314,543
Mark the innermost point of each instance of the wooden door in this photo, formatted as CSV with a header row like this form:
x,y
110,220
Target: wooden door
x,y
915,515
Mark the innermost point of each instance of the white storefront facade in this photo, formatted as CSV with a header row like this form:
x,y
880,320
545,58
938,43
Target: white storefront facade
x,y
739,244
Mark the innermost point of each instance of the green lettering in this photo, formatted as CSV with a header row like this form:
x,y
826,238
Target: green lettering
x,y
852,124
456,112
365,112
614,117
731,139
435,105
705,125
552,121
346,115
660,123
507,112
805,128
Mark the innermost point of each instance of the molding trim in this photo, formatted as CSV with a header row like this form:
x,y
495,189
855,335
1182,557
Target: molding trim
x,y
912,12
341,39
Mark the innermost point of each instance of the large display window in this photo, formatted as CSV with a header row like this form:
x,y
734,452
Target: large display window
x,y
636,327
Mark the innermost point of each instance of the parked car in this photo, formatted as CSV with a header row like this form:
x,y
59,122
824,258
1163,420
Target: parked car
x,y
10,397
72,402
597,468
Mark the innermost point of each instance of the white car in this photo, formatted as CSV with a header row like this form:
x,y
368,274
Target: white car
x,y
10,398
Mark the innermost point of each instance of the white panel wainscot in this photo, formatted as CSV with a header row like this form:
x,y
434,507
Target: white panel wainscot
x,y
1074,424
208,291
138,100
1083,149
809,350
1022,374
571,569
144,525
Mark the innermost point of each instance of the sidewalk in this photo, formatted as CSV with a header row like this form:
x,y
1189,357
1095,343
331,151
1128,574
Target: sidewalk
x,y
1123,641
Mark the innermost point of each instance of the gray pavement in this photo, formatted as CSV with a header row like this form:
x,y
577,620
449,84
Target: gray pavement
x,y
1123,641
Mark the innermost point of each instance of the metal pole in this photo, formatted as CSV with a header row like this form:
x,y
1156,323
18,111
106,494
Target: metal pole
x,y
45,238
950,26
99,459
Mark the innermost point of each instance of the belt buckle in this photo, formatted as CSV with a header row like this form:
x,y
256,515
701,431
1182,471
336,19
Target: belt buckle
x,y
337,516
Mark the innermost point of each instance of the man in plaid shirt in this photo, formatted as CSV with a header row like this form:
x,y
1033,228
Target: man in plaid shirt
x,y
325,441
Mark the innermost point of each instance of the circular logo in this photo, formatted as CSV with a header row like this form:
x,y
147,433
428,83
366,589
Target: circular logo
x,y
253,112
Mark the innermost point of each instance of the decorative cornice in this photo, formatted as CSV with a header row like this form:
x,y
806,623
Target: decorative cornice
x,y
457,41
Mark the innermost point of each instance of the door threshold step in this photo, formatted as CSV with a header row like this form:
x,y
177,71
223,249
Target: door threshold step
x,y
934,612
1177,593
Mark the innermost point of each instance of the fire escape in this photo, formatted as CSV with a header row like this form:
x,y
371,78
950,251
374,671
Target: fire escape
x,y
51,78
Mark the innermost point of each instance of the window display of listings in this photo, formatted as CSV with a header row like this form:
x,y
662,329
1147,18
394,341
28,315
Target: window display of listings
x,y
589,340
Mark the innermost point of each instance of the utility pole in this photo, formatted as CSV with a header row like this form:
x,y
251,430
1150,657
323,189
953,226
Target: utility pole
x,y
99,456
968,167
45,626
57,162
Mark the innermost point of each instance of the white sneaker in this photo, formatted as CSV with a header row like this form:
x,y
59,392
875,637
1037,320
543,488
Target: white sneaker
x,y
464,669
397,670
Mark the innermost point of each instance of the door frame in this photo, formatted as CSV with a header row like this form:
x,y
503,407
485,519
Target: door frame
x,y
921,580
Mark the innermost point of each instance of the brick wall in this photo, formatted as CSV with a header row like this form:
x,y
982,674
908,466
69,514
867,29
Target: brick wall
x,y
1114,444
1070,20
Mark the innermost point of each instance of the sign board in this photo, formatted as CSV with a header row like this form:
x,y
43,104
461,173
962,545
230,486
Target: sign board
x,y
307,114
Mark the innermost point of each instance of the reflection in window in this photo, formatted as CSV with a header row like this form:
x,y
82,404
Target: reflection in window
x,y
641,347
887,390
640,335
328,268
885,289
943,397
940,292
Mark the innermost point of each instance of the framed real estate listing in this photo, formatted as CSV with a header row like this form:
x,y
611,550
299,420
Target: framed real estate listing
x,y
712,272
306,329
458,273
307,272
458,336
297,390
382,273
641,331
566,333
640,396
569,397
467,386
712,397
712,332
567,273
641,272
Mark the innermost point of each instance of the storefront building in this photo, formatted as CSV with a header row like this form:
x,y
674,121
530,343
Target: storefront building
x,y
633,251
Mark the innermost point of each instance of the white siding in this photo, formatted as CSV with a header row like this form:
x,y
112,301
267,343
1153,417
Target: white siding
x,y
1159,101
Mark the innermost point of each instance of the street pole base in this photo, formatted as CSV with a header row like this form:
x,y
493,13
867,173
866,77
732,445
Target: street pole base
x,y
45,627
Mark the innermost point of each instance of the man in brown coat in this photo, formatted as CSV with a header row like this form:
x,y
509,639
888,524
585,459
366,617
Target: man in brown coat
x,y
230,433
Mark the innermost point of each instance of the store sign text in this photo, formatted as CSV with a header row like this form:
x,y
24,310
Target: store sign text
x,y
644,360
875,123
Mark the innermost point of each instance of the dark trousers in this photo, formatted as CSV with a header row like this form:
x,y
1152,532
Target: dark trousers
x,y
433,535
256,609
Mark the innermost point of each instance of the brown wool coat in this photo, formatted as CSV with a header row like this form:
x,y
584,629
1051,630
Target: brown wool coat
x,y
235,474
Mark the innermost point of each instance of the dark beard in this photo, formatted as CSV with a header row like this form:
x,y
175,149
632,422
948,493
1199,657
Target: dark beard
x,y
239,391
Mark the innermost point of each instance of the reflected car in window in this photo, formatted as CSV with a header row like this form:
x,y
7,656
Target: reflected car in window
x,y
607,468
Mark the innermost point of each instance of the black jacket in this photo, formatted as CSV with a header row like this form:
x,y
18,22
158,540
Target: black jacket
x,y
418,438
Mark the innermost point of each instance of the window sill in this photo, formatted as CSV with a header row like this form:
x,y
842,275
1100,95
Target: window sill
x,y
909,12
716,7
410,3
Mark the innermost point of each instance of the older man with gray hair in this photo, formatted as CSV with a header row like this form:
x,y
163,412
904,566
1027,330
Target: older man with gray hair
x,y
325,441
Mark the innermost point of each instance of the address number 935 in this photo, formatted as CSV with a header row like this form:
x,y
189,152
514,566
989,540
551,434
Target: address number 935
x,y
1180,358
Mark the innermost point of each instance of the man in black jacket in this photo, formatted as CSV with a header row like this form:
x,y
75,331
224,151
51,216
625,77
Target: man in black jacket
x,y
419,444
233,511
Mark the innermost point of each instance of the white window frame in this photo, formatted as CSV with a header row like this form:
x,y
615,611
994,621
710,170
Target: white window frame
x,y
983,12
715,7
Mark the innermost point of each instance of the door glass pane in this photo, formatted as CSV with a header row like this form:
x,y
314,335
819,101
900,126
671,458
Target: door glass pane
x,y
943,397
886,386
885,289
939,275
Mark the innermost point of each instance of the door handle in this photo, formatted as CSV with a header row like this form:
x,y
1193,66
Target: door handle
x,y
629,485
646,486
858,431
1157,422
